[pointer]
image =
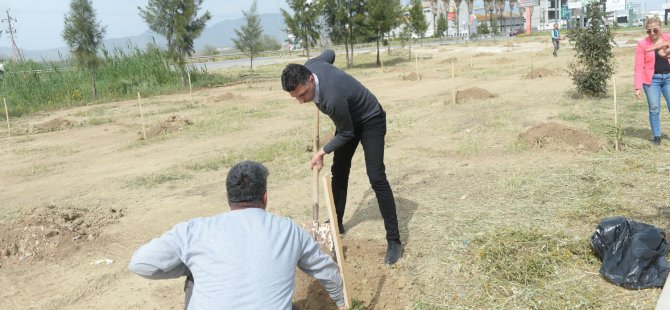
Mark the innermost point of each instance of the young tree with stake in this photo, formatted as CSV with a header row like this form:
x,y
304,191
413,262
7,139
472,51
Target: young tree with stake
x,y
179,23
83,34
249,37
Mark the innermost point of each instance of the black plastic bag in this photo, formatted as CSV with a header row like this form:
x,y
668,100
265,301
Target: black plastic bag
x,y
633,254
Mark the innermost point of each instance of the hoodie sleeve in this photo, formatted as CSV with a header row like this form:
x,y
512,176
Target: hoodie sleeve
x,y
321,267
161,257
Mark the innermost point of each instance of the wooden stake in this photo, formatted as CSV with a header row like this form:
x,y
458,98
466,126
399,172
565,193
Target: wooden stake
x,y
9,131
381,59
616,117
315,172
416,56
339,254
144,131
453,85
190,88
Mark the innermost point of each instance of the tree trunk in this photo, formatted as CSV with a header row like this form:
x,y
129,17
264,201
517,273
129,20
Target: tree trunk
x,y
352,53
346,48
93,86
252,62
388,35
378,61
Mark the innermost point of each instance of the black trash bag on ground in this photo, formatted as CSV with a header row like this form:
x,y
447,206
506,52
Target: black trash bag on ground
x,y
633,254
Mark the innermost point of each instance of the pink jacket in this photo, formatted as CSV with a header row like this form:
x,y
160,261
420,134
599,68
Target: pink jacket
x,y
644,61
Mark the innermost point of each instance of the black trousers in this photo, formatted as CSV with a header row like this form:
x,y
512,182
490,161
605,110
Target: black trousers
x,y
371,135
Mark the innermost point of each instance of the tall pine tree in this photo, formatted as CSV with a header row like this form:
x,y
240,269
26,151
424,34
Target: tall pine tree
x,y
83,34
179,23
250,36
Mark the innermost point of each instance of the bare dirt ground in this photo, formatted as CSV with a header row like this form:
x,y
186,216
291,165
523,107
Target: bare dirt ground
x,y
81,191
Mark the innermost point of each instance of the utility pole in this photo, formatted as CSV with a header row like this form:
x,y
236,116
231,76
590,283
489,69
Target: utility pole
x,y
16,54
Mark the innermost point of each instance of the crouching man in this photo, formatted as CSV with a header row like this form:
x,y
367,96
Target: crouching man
x,y
242,259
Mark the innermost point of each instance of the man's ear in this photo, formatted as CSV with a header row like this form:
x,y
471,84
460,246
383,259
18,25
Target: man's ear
x,y
265,200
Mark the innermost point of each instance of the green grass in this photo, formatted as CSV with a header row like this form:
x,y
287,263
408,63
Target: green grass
x,y
160,178
95,121
31,86
286,150
567,116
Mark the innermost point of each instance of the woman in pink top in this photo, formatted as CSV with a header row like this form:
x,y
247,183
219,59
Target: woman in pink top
x,y
652,73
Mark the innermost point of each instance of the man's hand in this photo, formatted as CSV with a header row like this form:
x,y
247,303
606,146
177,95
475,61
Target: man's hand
x,y
317,160
663,49
341,308
637,94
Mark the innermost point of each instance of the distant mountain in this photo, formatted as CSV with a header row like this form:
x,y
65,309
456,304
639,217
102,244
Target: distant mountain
x,y
219,35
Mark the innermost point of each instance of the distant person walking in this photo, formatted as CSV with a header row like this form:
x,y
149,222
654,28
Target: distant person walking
x,y
652,74
556,39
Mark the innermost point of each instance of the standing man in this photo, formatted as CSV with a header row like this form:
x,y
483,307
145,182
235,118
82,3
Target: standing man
x,y
358,118
555,38
242,259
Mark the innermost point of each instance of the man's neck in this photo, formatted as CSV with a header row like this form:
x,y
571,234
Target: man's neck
x,y
246,205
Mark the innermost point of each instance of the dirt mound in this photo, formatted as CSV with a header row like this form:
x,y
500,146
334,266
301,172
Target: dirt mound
x,y
539,73
503,60
412,77
54,125
483,54
172,124
475,93
557,136
631,41
225,97
52,232
449,60
368,280
509,44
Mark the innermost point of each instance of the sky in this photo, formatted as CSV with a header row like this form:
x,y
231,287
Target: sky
x,y
39,23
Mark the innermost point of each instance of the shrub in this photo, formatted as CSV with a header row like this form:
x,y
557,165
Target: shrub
x,y
593,64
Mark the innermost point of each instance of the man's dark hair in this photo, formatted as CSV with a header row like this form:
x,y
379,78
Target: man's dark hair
x,y
247,182
294,75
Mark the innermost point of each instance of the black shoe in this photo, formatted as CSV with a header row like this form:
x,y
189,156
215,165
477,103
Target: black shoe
x,y
393,252
340,227
657,141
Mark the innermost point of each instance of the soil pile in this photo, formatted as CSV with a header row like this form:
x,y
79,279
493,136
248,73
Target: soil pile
x,y
539,73
172,124
449,60
473,93
557,136
368,280
55,125
631,41
503,60
412,77
483,54
52,232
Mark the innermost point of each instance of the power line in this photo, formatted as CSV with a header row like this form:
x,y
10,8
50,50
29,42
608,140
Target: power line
x,y
16,54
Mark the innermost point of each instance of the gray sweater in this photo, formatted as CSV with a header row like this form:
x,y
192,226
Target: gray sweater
x,y
344,99
243,259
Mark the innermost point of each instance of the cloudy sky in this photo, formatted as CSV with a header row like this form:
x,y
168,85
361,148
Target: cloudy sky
x,y
39,23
